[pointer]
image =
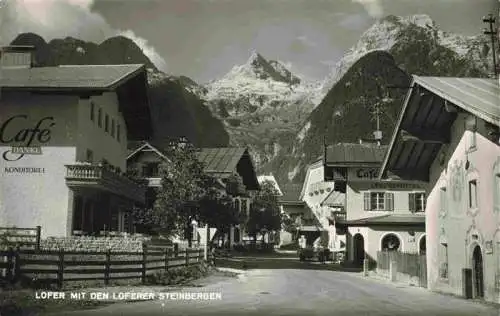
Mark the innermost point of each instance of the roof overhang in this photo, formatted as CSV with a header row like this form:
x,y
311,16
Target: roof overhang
x,y
423,127
146,147
131,88
386,220
292,203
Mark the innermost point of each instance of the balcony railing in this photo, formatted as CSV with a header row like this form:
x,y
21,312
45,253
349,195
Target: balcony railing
x,y
339,216
101,177
154,182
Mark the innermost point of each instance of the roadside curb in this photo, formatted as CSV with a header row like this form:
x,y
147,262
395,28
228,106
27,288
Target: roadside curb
x,y
237,271
376,277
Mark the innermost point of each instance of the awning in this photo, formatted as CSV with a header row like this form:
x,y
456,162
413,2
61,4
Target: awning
x,y
389,220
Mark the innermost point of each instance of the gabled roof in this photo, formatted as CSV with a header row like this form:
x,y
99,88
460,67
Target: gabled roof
x,y
221,160
225,161
317,163
129,82
426,119
146,147
291,193
351,154
478,96
105,77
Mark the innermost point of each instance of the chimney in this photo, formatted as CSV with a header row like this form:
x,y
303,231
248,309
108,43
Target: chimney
x,y
17,56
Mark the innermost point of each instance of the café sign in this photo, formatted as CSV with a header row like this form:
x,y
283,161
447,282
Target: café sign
x,y
363,174
25,141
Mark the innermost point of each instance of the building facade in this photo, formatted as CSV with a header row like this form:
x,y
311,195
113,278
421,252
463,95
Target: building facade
x,y
63,144
452,124
325,203
379,215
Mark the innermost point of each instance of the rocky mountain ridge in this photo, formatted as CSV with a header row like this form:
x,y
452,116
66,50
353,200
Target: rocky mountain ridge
x,y
177,110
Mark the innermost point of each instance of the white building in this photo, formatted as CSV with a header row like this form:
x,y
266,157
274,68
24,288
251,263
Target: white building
x,y
52,119
324,203
448,136
380,215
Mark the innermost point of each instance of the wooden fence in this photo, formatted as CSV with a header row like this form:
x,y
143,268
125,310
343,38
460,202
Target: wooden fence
x,y
20,237
409,264
62,266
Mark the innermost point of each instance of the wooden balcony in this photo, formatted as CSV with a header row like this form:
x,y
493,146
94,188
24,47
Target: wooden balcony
x,y
339,216
101,178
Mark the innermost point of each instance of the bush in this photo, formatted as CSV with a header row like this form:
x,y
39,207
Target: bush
x,y
179,275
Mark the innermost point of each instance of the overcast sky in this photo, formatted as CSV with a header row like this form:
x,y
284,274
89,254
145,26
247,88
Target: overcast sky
x,y
203,39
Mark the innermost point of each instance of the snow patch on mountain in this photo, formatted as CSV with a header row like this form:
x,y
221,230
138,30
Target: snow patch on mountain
x,y
262,84
384,34
303,131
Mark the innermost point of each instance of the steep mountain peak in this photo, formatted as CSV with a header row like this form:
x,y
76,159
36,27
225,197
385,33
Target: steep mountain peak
x,y
394,32
257,76
422,20
255,58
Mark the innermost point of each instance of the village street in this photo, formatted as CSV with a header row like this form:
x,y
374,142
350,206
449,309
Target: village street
x,y
303,292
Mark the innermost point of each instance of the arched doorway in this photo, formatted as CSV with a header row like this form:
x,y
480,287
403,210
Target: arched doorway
x,y
477,272
359,249
422,245
390,242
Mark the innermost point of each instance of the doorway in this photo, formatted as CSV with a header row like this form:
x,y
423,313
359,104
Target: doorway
x,y
477,272
359,249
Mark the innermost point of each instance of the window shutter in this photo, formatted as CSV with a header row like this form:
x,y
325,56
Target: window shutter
x,y
367,201
411,200
389,201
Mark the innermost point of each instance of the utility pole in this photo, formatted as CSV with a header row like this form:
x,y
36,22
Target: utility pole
x,y
490,19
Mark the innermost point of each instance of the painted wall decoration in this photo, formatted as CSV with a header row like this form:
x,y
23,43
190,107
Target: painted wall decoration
x,y
457,181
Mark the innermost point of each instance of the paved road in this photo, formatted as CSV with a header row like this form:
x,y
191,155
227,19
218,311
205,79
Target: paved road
x,y
304,292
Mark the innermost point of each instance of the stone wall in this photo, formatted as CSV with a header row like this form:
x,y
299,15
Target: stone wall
x,y
100,244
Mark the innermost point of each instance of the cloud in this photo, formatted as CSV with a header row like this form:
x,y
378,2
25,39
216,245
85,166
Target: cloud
x,y
355,22
373,7
61,18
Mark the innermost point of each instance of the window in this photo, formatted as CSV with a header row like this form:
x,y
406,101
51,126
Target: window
x,y
89,157
99,117
112,128
378,201
92,111
473,194
496,192
106,123
443,200
118,127
417,202
244,205
443,269
150,170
